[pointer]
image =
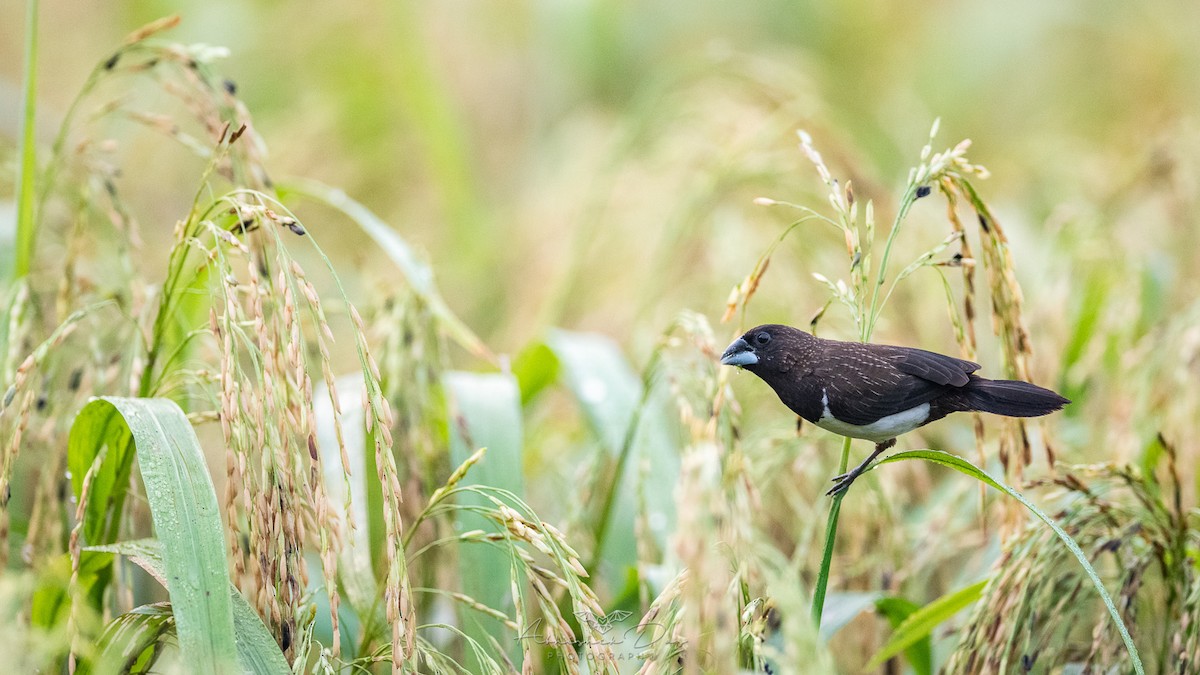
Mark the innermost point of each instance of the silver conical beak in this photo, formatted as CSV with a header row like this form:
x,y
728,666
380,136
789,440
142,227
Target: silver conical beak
x,y
740,353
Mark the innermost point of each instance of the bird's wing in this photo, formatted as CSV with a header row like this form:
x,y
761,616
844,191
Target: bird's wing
x,y
862,386
937,368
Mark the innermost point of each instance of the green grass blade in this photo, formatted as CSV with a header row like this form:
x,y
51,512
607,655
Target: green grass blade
x,y
183,505
959,464
485,411
628,422
26,188
90,433
919,624
131,643
257,650
920,654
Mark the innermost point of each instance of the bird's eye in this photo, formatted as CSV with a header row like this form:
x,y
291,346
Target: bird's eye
x,y
762,338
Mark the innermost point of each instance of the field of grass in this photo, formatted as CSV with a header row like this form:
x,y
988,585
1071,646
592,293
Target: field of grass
x,y
385,338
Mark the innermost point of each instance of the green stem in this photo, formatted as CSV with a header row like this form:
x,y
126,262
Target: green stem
x,y
866,328
906,202
835,510
26,221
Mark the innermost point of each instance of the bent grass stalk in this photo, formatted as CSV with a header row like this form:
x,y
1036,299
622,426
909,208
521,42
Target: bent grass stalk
x,y
963,466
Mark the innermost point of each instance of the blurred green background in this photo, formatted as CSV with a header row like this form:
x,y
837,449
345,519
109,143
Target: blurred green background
x,y
592,165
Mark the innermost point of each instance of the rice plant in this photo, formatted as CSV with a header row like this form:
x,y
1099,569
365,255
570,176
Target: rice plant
x,y
228,445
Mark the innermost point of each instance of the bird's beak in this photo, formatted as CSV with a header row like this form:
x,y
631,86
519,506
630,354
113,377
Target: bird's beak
x,y
740,353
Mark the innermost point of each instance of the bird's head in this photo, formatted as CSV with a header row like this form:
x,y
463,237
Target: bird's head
x,y
764,347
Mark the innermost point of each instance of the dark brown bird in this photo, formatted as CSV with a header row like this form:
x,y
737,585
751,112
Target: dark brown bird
x,y
876,392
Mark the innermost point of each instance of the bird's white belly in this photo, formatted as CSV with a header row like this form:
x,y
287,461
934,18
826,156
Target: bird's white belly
x,y
881,429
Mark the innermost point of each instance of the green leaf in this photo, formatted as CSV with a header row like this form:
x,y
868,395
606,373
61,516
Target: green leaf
x,y
896,609
1087,320
182,504
959,464
187,318
919,624
842,608
606,386
485,412
94,430
257,650
132,642
628,421
26,189
535,368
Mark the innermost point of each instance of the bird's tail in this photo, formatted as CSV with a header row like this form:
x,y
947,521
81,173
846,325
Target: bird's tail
x,y
1012,398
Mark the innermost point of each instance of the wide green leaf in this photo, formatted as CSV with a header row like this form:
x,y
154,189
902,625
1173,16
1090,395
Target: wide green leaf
x,y
959,464
485,412
842,608
257,651
535,368
630,422
183,505
919,624
896,609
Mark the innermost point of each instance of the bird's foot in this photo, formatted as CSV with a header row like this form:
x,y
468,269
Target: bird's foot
x,y
842,482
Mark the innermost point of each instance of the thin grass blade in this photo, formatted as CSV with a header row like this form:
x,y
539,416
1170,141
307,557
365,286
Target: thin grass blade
x,y
26,182
963,466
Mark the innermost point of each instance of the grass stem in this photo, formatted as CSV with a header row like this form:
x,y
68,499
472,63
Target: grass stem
x,y
835,510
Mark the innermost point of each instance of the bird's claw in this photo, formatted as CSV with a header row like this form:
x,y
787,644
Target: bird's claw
x,y
842,483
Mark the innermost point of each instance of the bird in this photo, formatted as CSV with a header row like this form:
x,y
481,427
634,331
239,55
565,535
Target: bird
x,y
876,392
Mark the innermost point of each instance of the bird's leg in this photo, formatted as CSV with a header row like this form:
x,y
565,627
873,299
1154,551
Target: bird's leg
x,y
842,482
